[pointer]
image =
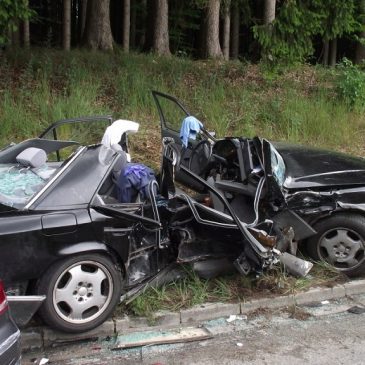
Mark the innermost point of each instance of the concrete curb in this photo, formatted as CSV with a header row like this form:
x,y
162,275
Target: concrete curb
x,y
43,337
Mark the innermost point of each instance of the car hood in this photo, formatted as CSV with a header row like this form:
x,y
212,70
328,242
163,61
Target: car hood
x,y
308,167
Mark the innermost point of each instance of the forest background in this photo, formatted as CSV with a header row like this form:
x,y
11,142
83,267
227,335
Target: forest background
x,y
287,70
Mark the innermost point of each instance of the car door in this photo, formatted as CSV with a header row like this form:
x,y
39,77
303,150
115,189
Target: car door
x,y
172,114
135,231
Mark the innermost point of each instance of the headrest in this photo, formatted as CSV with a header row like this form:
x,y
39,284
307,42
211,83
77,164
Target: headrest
x,y
33,157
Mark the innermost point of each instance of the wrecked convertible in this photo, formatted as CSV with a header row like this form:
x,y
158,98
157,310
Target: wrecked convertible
x,y
74,239
76,235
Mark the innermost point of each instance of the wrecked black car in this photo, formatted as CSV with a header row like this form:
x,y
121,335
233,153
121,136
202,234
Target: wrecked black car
x,y
76,235
319,193
74,239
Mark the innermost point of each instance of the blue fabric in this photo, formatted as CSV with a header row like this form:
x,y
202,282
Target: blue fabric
x,y
133,179
190,127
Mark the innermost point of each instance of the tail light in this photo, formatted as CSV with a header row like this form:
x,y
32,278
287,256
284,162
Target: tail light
x,y
3,301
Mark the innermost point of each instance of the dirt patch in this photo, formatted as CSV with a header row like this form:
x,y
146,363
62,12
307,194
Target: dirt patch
x,y
298,313
260,312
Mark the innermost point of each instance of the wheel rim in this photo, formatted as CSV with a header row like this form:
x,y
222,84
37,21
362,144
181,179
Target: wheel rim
x,y
82,292
342,247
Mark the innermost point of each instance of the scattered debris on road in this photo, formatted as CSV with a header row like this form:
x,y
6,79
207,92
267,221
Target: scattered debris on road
x,y
148,338
356,310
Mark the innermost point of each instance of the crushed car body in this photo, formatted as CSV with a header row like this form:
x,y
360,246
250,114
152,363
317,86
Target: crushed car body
x,y
319,193
81,225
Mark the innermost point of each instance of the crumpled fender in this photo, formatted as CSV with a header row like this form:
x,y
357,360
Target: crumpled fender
x,y
350,206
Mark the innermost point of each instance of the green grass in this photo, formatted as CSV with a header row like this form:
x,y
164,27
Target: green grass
x,y
192,290
188,292
297,104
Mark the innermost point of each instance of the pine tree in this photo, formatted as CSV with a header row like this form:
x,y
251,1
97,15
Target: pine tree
x,y
66,25
98,34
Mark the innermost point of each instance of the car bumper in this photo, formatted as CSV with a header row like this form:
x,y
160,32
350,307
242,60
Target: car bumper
x,y
10,350
24,307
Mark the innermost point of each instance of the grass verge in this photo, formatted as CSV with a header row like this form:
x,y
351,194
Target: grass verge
x,y
233,98
192,290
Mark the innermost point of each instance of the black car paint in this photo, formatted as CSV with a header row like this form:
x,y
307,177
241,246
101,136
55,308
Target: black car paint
x,y
63,219
24,240
320,182
320,169
77,184
60,222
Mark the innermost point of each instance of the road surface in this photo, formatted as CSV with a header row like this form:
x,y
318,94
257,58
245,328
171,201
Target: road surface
x,y
323,334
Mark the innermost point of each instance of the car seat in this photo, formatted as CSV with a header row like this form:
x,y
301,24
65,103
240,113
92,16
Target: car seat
x,y
32,157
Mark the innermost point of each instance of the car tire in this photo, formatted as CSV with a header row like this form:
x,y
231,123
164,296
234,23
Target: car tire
x,y
81,292
340,241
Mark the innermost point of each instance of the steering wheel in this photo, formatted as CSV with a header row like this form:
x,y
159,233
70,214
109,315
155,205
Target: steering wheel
x,y
200,157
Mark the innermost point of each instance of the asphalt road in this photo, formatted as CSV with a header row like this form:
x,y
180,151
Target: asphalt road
x,y
325,334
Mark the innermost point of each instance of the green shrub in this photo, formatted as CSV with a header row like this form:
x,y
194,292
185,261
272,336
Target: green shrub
x,y
351,84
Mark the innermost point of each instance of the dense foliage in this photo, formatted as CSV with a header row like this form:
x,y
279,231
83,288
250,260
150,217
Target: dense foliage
x,y
10,13
291,36
300,30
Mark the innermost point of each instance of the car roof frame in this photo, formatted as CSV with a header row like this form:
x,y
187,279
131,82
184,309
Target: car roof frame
x,y
58,123
32,203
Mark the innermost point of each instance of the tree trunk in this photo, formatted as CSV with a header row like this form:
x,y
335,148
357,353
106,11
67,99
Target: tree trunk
x,y
235,31
126,24
132,37
333,52
66,29
26,34
326,46
149,21
75,18
83,14
15,37
202,36
269,11
161,43
98,34
360,48
212,36
226,30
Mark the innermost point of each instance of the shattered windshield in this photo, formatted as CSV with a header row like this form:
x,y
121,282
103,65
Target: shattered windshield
x,y
277,165
18,184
